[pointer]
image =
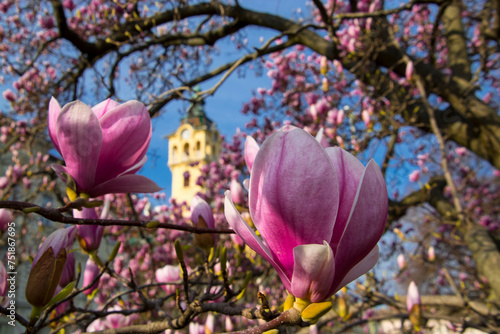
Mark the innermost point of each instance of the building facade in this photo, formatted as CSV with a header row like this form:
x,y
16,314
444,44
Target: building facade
x,y
195,143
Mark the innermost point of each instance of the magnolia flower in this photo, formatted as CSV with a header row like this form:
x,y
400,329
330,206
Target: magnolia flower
x,y
168,274
237,192
89,236
6,217
431,254
103,147
320,213
202,216
409,70
401,261
414,176
413,297
89,275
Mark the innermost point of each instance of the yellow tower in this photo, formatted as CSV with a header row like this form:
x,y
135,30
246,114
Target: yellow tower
x,y
195,143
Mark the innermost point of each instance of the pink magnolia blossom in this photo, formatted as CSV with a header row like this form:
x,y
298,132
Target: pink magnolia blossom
x,y
168,274
5,218
414,176
413,297
202,216
9,95
319,212
401,261
103,147
431,254
201,209
89,236
409,70
237,192
90,273
461,151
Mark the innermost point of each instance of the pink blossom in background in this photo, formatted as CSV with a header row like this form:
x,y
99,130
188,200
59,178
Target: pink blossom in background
x,y
409,70
5,218
47,22
319,212
413,297
69,4
168,274
251,150
431,254
9,95
103,147
461,151
90,273
414,176
401,261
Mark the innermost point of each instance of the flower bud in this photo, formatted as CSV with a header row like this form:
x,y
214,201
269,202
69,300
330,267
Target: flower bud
x,y
202,216
90,273
47,269
89,236
237,193
401,261
5,218
431,254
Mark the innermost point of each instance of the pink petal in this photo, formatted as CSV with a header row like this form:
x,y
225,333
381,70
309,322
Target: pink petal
x,y
57,240
102,108
349,171
293,193
313,271
61,172
126,134
245,232
126,184
359,269
80,138
251,150
54,111
366,222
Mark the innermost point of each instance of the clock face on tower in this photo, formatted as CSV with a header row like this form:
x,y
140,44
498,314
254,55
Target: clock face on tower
x,y
185,134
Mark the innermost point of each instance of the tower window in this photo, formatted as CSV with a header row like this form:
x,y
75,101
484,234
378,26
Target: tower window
x,y
174,153
186,151
186,179
198,149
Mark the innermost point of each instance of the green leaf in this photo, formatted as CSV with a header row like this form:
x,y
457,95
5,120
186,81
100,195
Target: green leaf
x,y
62,294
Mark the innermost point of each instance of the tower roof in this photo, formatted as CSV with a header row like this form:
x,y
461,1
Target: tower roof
x,y
196,115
